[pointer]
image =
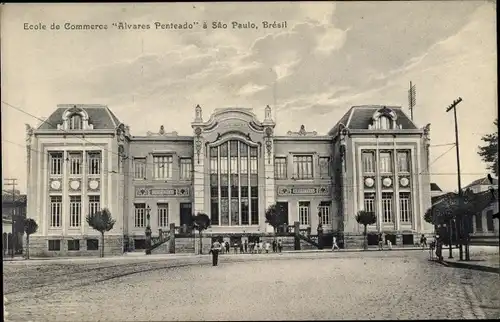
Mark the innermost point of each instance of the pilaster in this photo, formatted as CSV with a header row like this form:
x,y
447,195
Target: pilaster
x,y
378,188
199,176
396,185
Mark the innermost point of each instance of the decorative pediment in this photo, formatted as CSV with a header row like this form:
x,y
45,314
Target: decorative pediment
x,y
302,132
162,132
78,112
232,117
384,118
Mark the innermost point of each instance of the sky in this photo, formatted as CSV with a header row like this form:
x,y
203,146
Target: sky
x,y
331,56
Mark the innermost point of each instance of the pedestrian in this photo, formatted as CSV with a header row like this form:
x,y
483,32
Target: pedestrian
x,y
227,247
268,247
280,245
275,246
423,241
216,247
380,242
261,247
334,244
245,246
389,244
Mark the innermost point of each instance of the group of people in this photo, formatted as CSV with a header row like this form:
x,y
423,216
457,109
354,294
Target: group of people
x,y
223,247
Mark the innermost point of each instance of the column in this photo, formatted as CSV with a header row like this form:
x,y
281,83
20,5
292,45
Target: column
x,y
199,176
65,196
239,184
484,221
269,190
396,186
378,189
219,185
83,209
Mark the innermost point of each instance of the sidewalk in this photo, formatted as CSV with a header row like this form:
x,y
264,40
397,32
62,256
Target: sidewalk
x,y
483,258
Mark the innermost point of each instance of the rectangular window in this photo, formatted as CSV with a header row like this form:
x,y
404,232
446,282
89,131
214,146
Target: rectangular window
x,y
224,211
92,244
55,211
244,208
324,167
304,212
75,211
214,210
368,159
385,162
387,206
186,165
280,168
244,165
254,216
75,163
369,202
54,245
403,161
404,207
140,168
55,161
162,166
324,213
94,162
213,161
94,204
303,166
163,215
253,165
234,165
140,215
223,165
73,244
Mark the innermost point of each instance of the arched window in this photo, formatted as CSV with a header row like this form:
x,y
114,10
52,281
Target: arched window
x,y
76,122
234,184
384,122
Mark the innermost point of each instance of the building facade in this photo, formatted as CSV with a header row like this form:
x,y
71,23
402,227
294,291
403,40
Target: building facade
x,y
232,167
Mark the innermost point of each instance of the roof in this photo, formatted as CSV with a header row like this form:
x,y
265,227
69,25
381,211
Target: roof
x,y
435,187
481,182
100,116
360,117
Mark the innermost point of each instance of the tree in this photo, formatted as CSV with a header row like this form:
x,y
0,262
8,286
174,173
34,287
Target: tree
x,y
366,218
201,222
489,152
102,222
30,227
274,217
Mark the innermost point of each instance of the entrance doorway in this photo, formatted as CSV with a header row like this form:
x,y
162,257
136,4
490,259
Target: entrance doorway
x,y
186,215
283,211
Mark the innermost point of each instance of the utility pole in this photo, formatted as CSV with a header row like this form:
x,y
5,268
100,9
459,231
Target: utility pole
x,y
463,226
13,183
412,99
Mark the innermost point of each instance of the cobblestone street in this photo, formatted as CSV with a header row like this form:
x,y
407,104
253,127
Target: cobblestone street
x,y
369,285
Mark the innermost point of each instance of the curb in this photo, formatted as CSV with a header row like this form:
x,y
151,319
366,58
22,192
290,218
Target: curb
x,y
469,266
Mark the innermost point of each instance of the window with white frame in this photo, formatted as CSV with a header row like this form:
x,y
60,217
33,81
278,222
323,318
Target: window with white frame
x,y
56,161
55,211
403,161
387,206
163,215
186,168
324,213
405,207
75,211
369,202
385,162
76,122
234,164
324,167
75,163
140,215
162,166
368,160
94,204
303,166
94,161
304,213
139,168
280,168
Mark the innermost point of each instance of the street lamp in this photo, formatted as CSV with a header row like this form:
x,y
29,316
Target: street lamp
x,y
148,231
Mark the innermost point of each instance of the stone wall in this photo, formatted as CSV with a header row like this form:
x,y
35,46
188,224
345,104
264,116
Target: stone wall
x,y
39,246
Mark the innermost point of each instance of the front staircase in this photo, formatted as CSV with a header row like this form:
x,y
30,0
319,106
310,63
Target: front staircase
x,y
486,240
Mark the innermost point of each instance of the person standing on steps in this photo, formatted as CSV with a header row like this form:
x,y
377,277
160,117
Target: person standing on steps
x,y
216,247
